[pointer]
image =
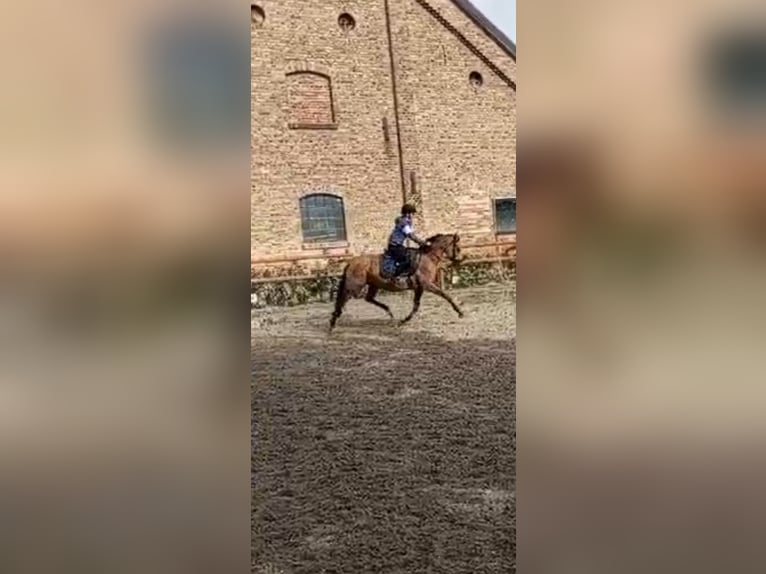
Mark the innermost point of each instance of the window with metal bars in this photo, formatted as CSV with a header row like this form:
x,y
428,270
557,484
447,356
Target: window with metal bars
x,y
323,218
505,215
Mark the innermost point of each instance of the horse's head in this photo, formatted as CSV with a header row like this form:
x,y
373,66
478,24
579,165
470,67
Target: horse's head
x,y
446,245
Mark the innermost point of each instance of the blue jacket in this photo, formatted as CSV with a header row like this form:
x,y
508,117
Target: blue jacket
x,y
403,230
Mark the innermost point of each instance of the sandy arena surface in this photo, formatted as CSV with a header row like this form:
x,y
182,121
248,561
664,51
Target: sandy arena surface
x,y
382,449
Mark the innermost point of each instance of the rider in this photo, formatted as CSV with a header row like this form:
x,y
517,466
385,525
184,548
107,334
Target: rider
x,y
403,230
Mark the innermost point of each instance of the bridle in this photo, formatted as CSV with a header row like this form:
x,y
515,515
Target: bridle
x,y
454,249
453,256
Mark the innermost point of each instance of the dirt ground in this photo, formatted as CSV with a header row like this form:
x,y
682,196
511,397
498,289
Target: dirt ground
x,y
381,449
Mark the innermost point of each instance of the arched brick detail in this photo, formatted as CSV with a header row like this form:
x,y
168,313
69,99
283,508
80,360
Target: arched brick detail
x,y
307,66
309,97
323,190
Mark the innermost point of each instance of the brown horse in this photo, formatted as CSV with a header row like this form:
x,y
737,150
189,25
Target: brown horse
x,y
364,270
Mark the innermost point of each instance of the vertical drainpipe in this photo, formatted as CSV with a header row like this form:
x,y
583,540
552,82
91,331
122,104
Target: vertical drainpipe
x,y
396,100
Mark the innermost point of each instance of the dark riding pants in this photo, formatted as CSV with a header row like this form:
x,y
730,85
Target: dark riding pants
x,y
399,254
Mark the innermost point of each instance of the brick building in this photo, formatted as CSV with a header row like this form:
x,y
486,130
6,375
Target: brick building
x,y
358,105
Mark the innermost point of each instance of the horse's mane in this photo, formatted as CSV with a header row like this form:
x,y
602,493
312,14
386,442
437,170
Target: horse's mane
x,y
430,240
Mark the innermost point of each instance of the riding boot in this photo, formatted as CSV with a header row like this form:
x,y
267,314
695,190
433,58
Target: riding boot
x,y
402,282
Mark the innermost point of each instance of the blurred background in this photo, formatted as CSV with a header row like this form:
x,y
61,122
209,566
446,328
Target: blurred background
x,y
124,237
642,140
124,162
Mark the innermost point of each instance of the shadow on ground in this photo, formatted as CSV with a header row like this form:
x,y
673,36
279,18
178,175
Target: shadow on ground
x,y
377,452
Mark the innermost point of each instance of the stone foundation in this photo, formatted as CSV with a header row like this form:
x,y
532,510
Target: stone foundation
x,y
288,287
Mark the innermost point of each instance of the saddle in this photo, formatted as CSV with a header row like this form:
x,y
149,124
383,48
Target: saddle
x,y
391,268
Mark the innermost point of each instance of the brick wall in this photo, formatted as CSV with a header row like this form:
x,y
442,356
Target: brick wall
x,y
309,97
351,159
460,139
457,140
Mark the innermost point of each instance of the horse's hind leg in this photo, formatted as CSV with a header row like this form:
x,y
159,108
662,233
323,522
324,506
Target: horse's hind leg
x,y
341,298
415,304
339,304
370,298
349,288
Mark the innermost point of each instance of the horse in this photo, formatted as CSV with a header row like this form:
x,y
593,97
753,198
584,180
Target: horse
x,y
364,271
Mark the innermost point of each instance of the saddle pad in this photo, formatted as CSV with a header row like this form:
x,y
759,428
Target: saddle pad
x,y
387,266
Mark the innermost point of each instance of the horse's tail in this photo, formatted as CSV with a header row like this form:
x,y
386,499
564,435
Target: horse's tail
x,y
340,298
340,295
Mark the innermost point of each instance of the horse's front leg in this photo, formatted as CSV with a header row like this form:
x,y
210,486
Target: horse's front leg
x,y
432,287
415,304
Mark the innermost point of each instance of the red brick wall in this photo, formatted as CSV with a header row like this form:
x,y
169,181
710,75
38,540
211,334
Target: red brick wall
x,y
309,98
458,138
457,141
352,160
